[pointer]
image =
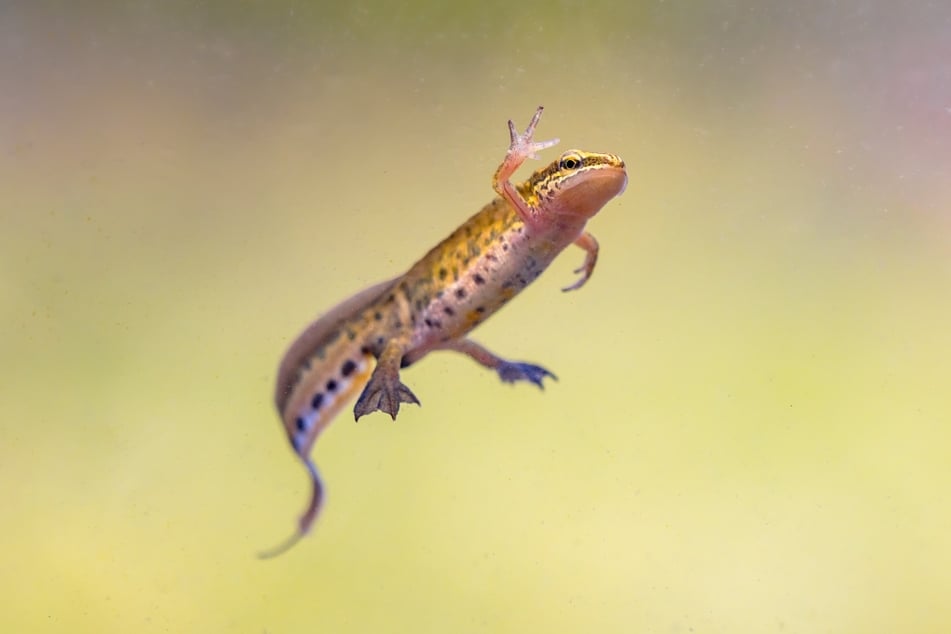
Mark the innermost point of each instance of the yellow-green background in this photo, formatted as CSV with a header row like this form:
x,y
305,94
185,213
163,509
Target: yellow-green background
x,y
751,428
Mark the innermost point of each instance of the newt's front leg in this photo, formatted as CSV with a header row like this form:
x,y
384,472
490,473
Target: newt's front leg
x,y
384,391
521,147
587,242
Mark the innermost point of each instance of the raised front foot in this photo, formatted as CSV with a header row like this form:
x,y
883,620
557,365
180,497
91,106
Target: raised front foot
x,y
512,371
521,147
384,392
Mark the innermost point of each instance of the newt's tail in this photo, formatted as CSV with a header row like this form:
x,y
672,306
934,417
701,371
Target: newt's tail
x,y
307,519
322,370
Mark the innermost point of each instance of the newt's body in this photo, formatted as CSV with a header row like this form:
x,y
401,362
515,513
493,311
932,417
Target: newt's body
x,y
362,343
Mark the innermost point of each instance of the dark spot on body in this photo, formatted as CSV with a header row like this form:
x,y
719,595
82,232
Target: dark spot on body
x,y
491,257
460,293
374,348
378,316
428,322
331,386
351,334
443,273
480,309
301,423
391,298
505,246
348,367
448,310
478,279
317,401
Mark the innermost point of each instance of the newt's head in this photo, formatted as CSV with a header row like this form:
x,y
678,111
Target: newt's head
x,y
578,183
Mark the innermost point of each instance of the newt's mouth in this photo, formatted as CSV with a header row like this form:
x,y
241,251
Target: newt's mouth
x,y
624,182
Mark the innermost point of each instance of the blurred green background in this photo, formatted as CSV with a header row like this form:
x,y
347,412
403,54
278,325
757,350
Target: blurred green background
x,y
751,428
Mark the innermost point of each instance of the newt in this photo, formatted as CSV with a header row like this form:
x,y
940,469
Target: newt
x,y
360,345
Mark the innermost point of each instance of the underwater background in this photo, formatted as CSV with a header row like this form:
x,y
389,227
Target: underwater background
x,y
750,431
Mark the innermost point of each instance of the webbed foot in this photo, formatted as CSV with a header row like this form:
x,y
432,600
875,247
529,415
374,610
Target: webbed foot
x,y
513,371
384,393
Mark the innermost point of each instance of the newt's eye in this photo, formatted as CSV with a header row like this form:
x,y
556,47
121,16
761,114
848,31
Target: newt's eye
x,y
570,162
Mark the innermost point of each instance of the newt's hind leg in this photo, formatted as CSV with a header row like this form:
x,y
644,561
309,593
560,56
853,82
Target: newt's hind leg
x,y
384,391
508,371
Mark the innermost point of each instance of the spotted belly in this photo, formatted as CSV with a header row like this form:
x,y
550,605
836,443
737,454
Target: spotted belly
x,y
324,388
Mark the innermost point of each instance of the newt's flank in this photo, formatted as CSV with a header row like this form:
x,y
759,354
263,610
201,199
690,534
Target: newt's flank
x,y
361,344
